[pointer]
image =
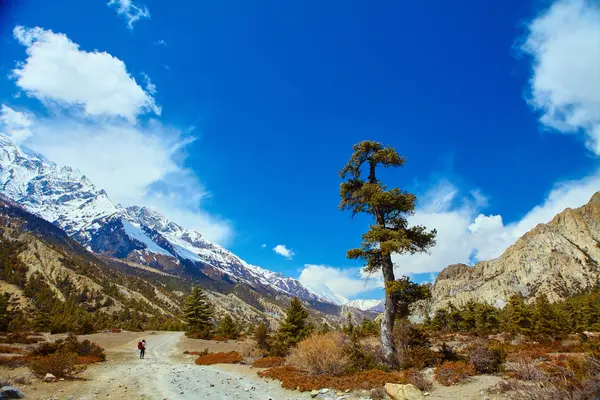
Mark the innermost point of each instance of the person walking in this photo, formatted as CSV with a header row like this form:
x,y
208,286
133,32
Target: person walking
x,y
142,348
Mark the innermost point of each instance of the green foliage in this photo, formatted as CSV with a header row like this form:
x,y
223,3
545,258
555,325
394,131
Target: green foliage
x,y
198,311
404,293
5,316
517,317
228,328
472,317
348,328
293,329
262,336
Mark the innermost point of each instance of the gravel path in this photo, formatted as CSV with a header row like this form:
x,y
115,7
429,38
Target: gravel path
x,y
163,374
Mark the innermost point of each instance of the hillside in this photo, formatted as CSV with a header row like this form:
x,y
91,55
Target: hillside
x,y
557,259
69,200
50,277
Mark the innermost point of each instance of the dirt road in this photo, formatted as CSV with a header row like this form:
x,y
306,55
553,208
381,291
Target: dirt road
x,y
166,374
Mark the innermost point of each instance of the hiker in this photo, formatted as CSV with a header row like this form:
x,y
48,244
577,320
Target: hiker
x,y
142,348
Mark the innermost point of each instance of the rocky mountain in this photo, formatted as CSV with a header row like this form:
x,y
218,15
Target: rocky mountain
x,y
137,234
559,259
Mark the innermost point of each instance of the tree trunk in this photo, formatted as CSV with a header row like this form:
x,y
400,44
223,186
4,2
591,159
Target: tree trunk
x,y
389,315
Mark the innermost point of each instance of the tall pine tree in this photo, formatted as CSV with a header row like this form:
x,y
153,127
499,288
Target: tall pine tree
x,y
293,328
544,317
390,233
198,311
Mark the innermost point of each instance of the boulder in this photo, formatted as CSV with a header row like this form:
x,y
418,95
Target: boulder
x,y
403,392
11,392
314,393
49,378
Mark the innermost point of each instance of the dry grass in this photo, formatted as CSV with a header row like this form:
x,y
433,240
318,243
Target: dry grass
x,y
321,355
197,353
453,372
61,365
21,338
11,350
292,378
15,361
232,357
268,362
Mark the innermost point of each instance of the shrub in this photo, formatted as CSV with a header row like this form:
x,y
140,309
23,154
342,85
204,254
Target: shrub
x,y
197,353
84,348
524,368
20,338
10,350
452,372
292,378
485,359
447,353
321,354
417,378
363,357
232,357
268,362
261,336
60,364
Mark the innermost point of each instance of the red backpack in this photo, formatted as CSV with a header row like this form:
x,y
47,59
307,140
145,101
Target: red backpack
x,y
139,345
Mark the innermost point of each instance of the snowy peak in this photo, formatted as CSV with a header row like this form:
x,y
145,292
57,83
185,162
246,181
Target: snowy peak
x,y
366,305
67,198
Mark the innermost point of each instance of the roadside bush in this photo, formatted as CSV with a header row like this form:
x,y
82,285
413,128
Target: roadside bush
x,y
524,368
10,350
292,378
197,353
13,362
60,364
417,378
321,354
452,372
268,362
20,338
413,347
232,357
363,357
486,359
84,348
447,353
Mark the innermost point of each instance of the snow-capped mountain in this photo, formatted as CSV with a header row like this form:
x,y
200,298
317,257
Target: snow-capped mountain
x,y
68,199
366,305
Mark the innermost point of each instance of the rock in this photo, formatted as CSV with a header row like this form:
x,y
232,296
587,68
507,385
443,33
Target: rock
x,y
403,392
323,391
11,392
49,378
314,393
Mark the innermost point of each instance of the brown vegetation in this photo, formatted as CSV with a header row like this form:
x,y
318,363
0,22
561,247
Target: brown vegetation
x,y
292,378
61,364
268,362
232,357
321,354
452,372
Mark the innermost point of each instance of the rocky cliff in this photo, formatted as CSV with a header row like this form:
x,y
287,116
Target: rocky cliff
x,y
558,259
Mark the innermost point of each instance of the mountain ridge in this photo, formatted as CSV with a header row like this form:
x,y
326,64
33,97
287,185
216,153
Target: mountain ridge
x,y
68,199
558,259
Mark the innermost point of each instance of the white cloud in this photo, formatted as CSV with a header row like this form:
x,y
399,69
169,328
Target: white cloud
x,y
16,124
161,43
282,250
564,44
263,246
333,282
464,234
136,162
150,87
130,11
56,71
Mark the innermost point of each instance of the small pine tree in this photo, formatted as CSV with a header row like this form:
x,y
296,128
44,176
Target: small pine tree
x,y
198,311
261,336
517,317
228,328
348,329
293,329
543,316
41,322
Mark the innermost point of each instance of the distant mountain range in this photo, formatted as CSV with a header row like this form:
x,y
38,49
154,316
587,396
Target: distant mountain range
x,y
68,199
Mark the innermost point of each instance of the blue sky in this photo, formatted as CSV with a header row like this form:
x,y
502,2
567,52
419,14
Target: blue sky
x,y
252,108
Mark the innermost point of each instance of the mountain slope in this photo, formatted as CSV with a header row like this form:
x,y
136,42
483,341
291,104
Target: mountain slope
x,y
558,259
366,305
69,200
